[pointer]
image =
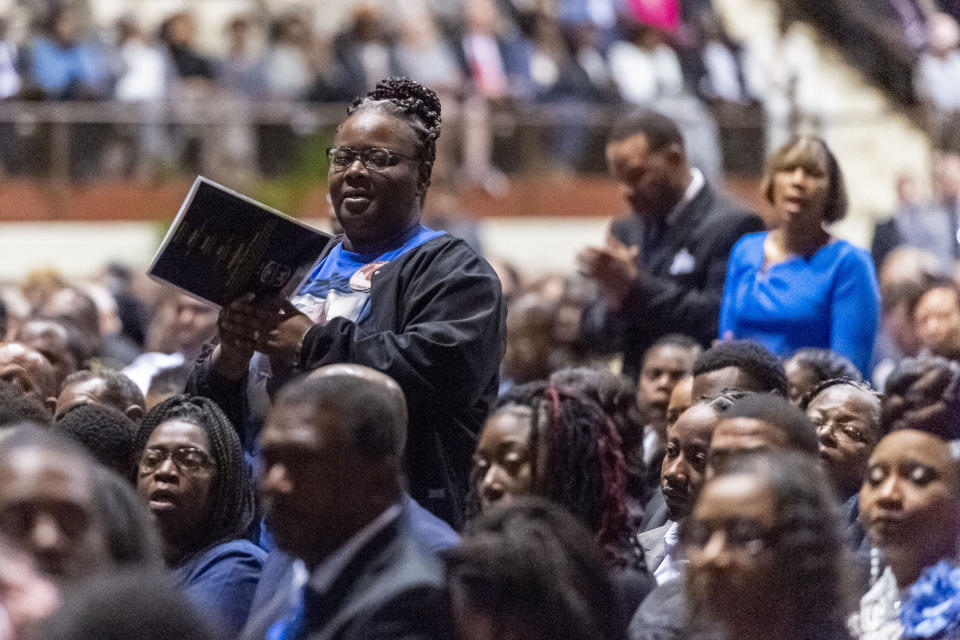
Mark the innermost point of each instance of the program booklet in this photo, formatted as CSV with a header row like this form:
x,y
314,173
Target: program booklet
x,y
223,244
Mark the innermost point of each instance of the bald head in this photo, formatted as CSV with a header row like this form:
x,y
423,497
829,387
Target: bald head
x,y
372,403
28,370
362,372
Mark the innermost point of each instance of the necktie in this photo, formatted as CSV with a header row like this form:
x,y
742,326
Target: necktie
x,y
297,622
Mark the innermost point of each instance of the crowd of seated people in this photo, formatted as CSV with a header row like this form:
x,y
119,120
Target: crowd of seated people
x,y
572,56
402,450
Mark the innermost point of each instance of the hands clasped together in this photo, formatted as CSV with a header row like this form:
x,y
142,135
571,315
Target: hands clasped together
x,y
613,266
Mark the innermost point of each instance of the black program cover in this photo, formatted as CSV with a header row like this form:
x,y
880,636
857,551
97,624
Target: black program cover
x,y
223,244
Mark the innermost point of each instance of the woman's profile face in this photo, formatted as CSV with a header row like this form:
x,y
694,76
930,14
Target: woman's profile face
x,y
801,186
177,475
375,205
729,540
910,498
503,462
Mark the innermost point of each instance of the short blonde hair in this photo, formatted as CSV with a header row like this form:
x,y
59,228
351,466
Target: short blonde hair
x,y
809,151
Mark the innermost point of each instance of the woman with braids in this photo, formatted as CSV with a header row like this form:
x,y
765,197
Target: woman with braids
x,y
553,442
765,554
390,294
191,471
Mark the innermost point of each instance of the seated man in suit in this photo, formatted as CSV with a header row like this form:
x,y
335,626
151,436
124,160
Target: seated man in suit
x,y
681,476
757,422
332,489
663,267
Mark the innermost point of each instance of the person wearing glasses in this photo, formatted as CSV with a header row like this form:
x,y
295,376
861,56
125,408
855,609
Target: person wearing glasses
x,y
846,414
192,473
391,294
765,551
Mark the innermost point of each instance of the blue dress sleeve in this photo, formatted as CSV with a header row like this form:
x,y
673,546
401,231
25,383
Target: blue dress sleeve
x,y
855,309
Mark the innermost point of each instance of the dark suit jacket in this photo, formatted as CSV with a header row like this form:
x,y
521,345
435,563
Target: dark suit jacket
x,y
652,543
655,512
390,589
681,282
665,615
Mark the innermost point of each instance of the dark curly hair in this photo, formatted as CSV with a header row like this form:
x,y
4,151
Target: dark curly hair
x,y
233,510
17,407
416,103
584,470
529,564
752,357
104,431
825,364
807,541
923,394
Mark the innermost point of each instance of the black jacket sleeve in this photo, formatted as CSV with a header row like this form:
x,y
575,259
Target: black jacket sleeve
x,y
229,395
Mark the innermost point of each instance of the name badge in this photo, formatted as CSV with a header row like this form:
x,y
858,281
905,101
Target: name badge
x,y
683,263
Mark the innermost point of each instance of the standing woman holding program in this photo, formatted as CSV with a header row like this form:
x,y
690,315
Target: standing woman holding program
x,y
798,286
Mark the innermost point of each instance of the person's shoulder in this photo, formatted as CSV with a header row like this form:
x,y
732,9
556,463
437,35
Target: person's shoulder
x,y
664,608
723,205
220,560
850,255
239,550
749,245
432,533
402,589
450,254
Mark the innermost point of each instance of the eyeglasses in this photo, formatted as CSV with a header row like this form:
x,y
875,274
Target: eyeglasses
x,y
742,534
372,158
186,459
851,430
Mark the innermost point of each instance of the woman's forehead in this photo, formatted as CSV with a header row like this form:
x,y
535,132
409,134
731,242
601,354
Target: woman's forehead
x,y
378,127
180,430
913,446
805,152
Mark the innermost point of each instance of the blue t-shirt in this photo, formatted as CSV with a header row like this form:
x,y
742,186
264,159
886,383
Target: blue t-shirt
x,y
340,285
829,299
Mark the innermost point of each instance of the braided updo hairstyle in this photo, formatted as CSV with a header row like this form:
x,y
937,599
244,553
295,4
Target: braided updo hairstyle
x,y
584,471
415,103
233,510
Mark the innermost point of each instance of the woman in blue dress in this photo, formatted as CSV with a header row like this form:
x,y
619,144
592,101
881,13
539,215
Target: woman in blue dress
x,y
797,286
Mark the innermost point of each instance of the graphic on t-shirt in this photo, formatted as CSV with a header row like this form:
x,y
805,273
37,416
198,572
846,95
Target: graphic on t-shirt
x,y
340,287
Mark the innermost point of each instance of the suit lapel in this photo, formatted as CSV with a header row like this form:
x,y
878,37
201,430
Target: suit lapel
x,y
356,583
677,231
653,547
